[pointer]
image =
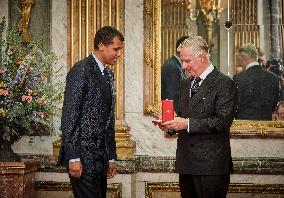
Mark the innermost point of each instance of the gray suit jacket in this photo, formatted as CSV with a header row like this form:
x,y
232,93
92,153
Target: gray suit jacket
x,y
205,149
86,133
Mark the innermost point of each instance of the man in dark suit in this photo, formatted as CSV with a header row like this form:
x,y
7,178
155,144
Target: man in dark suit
x,y
171,76
208,102
88,137
258,89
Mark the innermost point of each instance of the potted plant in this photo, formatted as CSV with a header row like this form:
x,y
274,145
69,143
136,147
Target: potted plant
x,y
28,95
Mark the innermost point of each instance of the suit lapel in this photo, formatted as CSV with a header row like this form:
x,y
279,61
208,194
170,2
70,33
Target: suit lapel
x,y
95,72
98,79
204,89
111,115
174,58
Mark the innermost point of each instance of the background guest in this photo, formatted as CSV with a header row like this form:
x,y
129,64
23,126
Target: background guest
x,y
171,75
258,89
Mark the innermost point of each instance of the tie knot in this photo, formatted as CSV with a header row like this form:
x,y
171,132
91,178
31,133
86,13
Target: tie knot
x,y
197,80
195,85
105,72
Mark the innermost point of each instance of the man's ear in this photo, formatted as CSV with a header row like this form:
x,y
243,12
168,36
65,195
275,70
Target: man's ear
x,y
101,46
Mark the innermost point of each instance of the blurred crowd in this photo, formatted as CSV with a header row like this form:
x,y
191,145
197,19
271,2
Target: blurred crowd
x,y
275,66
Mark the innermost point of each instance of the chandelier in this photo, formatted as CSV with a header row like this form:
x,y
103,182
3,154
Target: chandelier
x,y
209,10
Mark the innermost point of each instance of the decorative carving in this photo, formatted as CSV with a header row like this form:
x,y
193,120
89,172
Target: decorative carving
x,y
152,187
251,128
124,145
209,10
25,20
114,188
152,56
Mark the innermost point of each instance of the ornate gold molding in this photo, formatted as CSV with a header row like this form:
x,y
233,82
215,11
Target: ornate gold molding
x,y
152,187
114,188
26,166
125,147
152,55
253,129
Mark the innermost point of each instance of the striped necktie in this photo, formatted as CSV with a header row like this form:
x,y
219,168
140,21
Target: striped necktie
x,y
195,85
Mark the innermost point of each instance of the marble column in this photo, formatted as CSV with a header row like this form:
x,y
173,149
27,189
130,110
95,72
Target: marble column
x,y
274,28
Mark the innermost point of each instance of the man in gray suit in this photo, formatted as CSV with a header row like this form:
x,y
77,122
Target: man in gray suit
x,y
208,102
258,89
88,137
171,75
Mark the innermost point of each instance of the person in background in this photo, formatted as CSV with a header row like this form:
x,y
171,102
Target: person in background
x,y
275,67
207,109
281,79
258,89
262,59
171,75
88,137
279,112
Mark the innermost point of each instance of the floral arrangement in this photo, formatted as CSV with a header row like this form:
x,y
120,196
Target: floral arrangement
x,y
28,95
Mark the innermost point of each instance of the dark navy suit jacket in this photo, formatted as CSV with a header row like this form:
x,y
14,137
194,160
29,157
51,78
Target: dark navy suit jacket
x,y
86,132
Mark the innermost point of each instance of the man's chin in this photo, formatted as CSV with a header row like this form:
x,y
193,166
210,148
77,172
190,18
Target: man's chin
x,y
112,62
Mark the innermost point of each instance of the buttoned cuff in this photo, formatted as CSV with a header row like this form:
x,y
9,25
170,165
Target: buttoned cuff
x,y
188,125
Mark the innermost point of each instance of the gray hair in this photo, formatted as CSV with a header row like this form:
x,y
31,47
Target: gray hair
x,y
196,43
249,49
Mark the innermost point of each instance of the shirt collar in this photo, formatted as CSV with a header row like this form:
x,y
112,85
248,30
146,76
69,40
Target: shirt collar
x,y
101,66
207,71
178,58
251,64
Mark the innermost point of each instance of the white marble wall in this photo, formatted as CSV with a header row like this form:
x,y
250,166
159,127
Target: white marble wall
x,y
59,45
149,139
257,147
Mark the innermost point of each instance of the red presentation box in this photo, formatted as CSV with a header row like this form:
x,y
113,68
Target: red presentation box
x,y
167,110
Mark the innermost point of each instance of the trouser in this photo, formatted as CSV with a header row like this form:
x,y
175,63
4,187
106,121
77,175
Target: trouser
x,y
89,186
204,186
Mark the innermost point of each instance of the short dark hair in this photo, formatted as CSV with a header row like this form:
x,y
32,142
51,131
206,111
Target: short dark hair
x,y
105,35
180,40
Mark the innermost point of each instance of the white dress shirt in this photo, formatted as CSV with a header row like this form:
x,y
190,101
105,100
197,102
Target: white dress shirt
x,y
204,74
251,64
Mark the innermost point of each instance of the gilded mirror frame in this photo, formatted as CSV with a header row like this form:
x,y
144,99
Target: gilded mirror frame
x,y
152,79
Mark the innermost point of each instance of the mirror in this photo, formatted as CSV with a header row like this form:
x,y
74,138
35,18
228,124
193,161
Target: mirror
x,y
161,34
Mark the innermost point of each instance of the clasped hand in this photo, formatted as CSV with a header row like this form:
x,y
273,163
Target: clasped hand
x,y
75,169
177,124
